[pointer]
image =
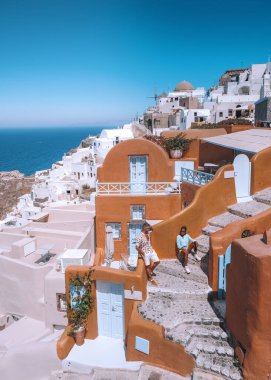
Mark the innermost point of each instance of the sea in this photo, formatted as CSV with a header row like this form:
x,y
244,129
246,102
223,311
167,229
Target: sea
x,y
31,149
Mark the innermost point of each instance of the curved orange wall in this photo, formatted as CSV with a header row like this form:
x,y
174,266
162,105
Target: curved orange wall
x,y
210,200
115,167
261,171
220,240
163,353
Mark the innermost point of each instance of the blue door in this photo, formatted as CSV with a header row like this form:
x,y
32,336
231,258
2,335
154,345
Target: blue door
x,y
110,308
138,174
223,261
134,231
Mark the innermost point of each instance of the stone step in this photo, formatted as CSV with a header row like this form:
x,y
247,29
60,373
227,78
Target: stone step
x,y
148,372
209,229
248,209
263,196
172,310
218,365
224,219
203,243
176,269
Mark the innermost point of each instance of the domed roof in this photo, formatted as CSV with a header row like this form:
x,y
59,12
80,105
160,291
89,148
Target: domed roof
x,y
163,95
184,86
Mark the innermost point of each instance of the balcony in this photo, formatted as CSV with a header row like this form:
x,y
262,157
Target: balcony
x,y
196,177
140,188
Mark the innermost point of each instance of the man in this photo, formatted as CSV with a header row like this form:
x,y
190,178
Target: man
x,y
185,246
145,250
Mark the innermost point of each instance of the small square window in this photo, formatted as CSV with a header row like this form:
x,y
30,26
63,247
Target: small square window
x,y
61,302
116,227
220,114
137,212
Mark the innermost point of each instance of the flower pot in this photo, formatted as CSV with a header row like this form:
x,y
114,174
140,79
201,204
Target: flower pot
x,y
175,153
79,335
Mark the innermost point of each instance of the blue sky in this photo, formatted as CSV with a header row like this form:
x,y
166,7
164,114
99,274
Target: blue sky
x,y
83,62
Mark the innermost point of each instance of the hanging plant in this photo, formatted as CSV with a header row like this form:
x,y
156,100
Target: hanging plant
x,y
79,305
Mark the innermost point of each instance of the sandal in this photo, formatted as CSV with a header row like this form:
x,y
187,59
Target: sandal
x,y
153,282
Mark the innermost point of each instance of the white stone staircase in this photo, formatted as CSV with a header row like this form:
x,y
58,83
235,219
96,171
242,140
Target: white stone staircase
x,y
183,303
261,202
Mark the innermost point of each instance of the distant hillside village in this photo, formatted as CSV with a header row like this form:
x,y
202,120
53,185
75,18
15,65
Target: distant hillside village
x,y
145,252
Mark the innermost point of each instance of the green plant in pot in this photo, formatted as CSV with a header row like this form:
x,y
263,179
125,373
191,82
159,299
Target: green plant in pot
x,y
79,305
177,145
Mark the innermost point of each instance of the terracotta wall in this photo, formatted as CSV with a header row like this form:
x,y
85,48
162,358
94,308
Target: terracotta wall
x,y
214,154
196,133
205,205
116,165
237,128
189,191
261,171
117,209
163,353
248,307
202,151
220,240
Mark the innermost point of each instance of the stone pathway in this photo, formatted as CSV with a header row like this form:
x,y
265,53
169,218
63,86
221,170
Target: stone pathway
x,y
183,303
261,202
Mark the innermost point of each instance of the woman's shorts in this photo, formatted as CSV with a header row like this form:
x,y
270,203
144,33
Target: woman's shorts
x,y
150,257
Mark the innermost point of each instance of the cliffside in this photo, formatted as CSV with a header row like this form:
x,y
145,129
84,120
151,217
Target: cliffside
x,y
12,185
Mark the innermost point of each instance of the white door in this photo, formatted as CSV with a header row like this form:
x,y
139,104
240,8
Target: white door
x,y
138,173
242,171
110,307
134,231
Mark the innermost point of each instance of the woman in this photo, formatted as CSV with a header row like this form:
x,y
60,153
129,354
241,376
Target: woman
x,y
145,250
185,246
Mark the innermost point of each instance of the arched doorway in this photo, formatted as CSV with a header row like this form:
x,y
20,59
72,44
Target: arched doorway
x,y
238,112
242,171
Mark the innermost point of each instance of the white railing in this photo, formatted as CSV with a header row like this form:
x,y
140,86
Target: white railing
x,y
141,188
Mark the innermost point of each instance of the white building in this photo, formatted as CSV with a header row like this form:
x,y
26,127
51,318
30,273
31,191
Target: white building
x,y
237,92
189,116
67,178
109,138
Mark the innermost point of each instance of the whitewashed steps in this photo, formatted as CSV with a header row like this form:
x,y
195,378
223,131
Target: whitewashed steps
x,y
248,209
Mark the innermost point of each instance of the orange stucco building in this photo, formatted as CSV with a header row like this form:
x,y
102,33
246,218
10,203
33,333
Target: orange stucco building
x,y
135,184
248,312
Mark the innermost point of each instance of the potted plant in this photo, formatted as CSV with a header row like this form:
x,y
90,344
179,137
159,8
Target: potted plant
x,y
177,145
79,305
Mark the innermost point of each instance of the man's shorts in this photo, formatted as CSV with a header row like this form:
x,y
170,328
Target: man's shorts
x,y
148,257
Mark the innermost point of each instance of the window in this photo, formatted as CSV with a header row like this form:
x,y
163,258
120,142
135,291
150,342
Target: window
x,y
230,112
195,114
137,212
220,114
61,302
116,227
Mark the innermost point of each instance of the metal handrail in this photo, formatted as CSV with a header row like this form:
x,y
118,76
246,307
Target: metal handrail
x,y
195,176
138,188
